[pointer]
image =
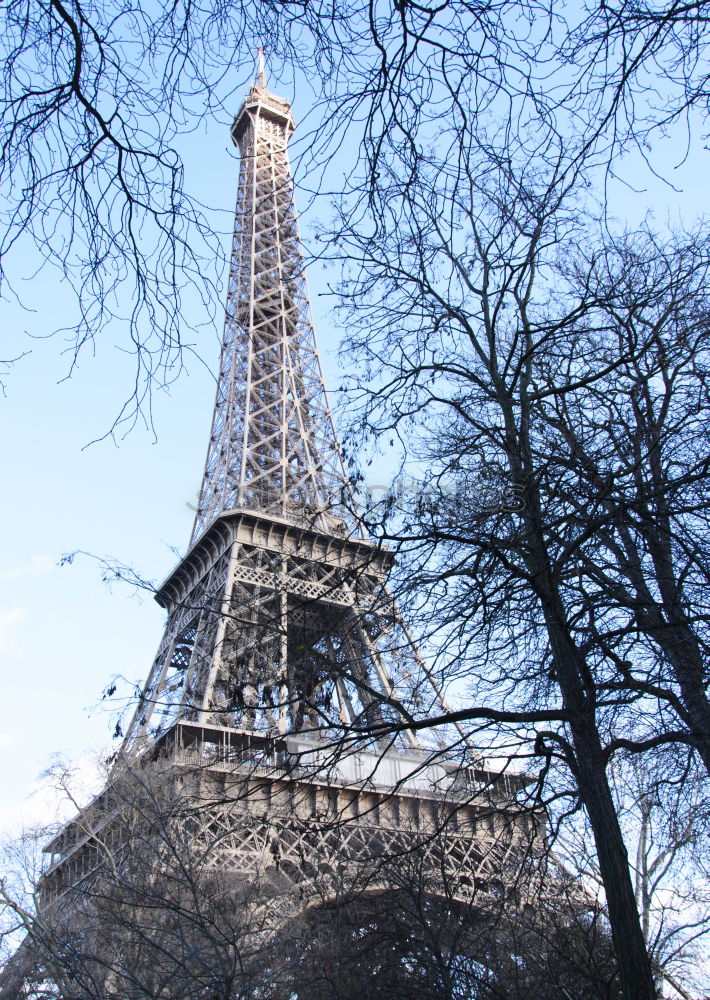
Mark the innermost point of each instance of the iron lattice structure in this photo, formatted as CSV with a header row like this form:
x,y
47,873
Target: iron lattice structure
x,y
279,620
273,446
263,747
215,846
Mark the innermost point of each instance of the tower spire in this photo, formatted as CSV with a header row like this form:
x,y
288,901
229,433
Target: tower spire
x,y
272,444
279,619
261,71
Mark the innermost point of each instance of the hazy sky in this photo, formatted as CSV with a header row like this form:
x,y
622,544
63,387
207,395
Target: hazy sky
x,y
63,633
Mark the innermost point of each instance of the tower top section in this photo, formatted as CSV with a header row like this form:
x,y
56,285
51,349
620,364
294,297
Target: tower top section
x,y
273,448
279,620
261,103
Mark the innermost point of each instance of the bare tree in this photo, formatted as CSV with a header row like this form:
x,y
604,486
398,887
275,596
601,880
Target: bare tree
x,y
643,66
474,332
416,938
93,103
155,910
95,99
663,811
631,447
148,915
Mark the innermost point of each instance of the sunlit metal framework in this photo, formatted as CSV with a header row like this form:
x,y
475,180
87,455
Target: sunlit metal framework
x,y
290,813
286,825
272,446
273,701
279,620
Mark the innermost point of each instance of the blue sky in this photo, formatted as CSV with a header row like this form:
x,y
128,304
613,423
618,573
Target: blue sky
x,y
63,633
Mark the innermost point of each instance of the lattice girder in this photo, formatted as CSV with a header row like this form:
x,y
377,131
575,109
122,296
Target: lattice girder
x,y
273,445
248,811
274,627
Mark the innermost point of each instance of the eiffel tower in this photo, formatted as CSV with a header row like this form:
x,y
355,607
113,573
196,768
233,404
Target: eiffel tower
x,y
277,613
280,697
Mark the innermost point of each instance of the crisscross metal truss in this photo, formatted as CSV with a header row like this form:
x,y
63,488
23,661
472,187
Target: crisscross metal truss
x,y
281,624
295,634
294,857
288,837
272,445
257,845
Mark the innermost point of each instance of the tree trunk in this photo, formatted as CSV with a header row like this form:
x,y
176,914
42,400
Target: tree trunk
x,y
634,964
635,971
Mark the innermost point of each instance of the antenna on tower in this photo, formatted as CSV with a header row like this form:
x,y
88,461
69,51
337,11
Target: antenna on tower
x,y
260,69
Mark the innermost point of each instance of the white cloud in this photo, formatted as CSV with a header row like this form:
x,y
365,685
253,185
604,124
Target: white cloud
x,y
48,802
37,566
7,620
